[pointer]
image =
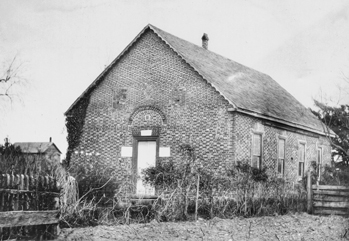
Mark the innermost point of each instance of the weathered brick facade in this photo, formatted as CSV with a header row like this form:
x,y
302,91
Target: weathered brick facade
x,y
245,125
151,87
158,84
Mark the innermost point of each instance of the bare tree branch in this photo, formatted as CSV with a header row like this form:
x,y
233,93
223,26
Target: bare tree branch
x,y
10,72
11,81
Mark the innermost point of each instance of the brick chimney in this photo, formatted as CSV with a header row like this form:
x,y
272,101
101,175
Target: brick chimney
x,y
205,41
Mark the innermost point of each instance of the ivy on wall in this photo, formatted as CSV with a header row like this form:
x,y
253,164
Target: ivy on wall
x,y
75,120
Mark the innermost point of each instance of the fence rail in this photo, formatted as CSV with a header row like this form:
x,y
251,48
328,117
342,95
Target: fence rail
x,y
326,199
28,207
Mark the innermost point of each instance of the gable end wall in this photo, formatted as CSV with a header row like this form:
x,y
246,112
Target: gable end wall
x,y
152,75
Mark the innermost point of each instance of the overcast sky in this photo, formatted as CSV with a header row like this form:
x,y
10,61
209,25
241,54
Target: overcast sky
x,y
64,45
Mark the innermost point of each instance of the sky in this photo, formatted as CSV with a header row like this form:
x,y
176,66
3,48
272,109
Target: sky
x,y
61,46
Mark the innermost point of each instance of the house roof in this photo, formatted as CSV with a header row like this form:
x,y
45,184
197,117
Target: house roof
x,y
35,147
247,90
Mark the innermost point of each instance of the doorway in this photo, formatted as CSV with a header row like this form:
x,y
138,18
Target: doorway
x,y
146,157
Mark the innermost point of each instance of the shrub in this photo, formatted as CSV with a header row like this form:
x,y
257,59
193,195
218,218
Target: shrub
x,y
242,190
333,175
256,174
101,195
96,182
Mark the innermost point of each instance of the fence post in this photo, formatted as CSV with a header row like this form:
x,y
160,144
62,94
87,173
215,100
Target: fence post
x,y
309,194
197,198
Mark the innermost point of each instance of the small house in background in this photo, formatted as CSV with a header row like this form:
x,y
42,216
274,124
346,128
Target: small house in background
x,y
47,150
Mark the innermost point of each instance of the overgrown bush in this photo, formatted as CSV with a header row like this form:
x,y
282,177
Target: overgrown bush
x,y
333,175
337,175
96,182
101,191
240,191
256,174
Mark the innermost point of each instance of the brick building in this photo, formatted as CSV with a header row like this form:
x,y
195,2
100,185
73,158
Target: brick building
x,y
163,91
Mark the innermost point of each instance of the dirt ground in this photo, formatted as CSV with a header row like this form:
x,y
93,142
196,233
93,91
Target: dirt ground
x,y
302,227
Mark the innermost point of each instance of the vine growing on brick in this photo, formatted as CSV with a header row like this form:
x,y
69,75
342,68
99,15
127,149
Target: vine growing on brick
x,y
75,120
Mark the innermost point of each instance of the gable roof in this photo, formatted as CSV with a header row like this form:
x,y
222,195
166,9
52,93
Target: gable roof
x,y
35,147
247,90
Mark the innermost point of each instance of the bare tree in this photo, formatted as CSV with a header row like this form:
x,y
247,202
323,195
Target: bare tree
x,y
335,117
11,81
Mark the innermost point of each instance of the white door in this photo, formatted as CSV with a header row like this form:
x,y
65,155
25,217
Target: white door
x,y
146,157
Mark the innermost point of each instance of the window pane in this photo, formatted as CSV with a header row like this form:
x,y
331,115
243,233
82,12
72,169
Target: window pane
x,y
282,149
301,152
256,145
255,161
301,169
319,156
280,165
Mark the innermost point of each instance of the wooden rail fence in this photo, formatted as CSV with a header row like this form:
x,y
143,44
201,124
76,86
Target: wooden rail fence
x,y
29,207
326,199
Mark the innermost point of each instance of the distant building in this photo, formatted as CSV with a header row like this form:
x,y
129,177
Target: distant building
x,y
47,150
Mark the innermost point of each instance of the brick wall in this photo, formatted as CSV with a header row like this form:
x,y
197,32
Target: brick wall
x,y
245,125
151,87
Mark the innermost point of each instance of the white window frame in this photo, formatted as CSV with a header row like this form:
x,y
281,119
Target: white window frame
x,y
301,143
282,173
260,134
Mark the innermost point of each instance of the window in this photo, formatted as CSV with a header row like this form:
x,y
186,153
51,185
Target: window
x,y
301,159
256,150
281,157
319,161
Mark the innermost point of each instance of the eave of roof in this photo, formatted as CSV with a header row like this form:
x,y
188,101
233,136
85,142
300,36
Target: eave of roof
x,y
328,133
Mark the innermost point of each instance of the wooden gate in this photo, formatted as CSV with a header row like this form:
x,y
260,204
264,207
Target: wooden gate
x,y
29,207
326,199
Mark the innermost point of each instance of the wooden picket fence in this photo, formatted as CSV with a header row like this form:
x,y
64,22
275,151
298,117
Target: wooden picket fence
x,y
327,200
29,207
